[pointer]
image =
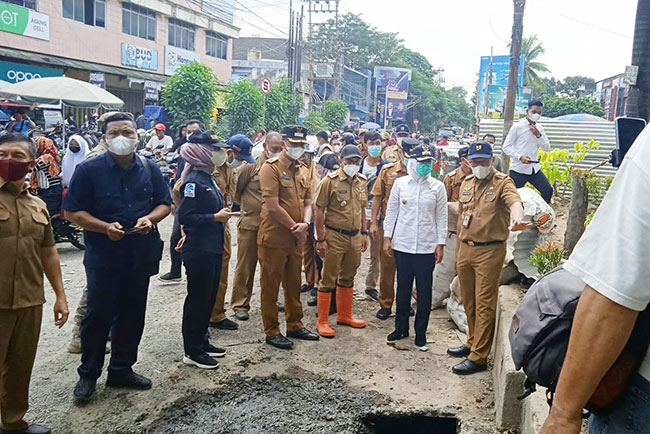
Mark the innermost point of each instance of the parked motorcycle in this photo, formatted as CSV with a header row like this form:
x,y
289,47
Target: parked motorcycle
x,y
67,232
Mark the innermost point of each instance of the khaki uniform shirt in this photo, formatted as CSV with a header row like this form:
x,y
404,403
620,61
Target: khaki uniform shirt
x,y
97,150
24,229
384,183
248,193
288,180
225,178
484,207
452,182
343,200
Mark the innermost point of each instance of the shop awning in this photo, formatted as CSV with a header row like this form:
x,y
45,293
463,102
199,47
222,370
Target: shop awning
x,y
78,64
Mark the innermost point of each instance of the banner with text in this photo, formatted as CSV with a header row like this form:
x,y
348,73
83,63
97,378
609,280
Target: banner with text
x,y
392,86
140,57
23,21
176,57
494,70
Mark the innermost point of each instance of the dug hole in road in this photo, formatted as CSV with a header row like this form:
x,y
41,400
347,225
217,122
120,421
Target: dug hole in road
x,y
354,383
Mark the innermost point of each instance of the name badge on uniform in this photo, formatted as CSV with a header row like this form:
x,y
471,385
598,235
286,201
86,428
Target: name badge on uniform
x,y
286,177
393,175
343,191
466,220
489,193
217,174
467,193
189,189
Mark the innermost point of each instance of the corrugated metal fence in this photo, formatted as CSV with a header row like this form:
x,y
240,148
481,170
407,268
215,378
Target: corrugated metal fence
x,y
564,134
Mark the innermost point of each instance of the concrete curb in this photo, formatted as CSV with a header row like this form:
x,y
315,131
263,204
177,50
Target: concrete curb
x,y
525,416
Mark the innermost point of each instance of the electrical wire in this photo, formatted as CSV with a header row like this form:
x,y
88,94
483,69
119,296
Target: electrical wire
x,y
270,24
585,23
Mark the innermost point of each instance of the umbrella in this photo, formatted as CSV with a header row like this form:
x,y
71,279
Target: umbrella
x,y
370,126
55,90
4,117
348,124
581,117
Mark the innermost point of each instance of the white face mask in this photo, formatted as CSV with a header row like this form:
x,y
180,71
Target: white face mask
x,y
351,169
219,157
481,171
295,153
121,145
235,163
535,117
273,154
399,140
337,148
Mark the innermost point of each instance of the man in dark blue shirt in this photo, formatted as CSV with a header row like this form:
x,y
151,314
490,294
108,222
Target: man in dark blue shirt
x,y
118,199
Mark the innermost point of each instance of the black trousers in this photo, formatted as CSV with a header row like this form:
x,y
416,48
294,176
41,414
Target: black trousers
x,y
419,267
117,301
538,180
52,197
175,256
203,271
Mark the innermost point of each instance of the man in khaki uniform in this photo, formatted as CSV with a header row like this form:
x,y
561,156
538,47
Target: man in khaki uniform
x,y
340,222
248,193
489,207
455,178
284,222
28,251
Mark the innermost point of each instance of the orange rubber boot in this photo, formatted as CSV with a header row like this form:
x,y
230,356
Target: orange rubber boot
x,y
322,325
344,297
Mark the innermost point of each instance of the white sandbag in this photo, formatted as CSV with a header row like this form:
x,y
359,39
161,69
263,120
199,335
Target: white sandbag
x,y
457,313
444,273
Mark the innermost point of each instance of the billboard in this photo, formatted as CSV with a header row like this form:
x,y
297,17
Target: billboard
x,y
139,57
391,91
494,70
496,96
22,21
17,72
177,57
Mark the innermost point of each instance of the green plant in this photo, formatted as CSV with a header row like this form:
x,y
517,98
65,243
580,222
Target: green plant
x,y
597,186
335,113
589,218
546,257
558,164
282,105
190,93
314,122
555,105
244,108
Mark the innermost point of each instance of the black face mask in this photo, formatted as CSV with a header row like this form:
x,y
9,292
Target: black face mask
x,y
75,150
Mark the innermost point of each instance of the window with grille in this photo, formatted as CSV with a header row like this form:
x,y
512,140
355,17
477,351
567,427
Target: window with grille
x,y
216,45
138,21
181,34
91,12
29,4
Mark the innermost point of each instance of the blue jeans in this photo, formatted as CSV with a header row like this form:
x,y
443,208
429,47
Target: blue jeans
x,y
631,415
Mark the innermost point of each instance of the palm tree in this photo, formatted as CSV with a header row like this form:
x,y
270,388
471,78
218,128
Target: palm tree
x,y
638,102
533,49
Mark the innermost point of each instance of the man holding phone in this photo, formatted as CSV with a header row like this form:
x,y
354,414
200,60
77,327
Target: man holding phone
x,y
521,144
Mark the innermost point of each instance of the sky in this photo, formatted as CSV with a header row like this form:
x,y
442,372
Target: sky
x,y
581,37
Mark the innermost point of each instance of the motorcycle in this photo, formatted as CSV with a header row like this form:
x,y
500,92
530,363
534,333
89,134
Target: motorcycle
x,y
67,232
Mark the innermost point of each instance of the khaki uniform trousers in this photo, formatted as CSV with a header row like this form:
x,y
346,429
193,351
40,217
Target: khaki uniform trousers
x,y
373,267
309,259
219,311
387,275
242,287
280,265
341,261
19,333
479,269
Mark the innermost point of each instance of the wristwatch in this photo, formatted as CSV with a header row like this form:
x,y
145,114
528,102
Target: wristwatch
x,y
364,232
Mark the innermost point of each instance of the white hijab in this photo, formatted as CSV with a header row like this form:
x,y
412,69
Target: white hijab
x,y
71,159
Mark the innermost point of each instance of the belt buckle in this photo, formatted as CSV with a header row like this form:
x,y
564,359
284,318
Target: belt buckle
x,y
471,243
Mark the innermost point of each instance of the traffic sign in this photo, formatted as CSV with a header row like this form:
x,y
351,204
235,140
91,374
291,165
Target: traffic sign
x,y
416,121
265,85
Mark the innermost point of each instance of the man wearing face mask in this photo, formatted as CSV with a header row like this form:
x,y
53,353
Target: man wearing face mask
x,y
370,168
454,179
341,230
118,199
284,222
489,208
521,144
248,193
401,132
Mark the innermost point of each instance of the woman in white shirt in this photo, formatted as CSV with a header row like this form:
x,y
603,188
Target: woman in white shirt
x,y
415,230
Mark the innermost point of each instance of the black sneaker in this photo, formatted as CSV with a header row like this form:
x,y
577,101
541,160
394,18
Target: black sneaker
x,y
279,341
84,390
32,428
169,278
214,351
225,324
306,288
202,361
129,381
396,336
383,313
411,311
242,315
372,293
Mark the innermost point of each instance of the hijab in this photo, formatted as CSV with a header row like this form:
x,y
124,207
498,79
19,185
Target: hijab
x,y
411,168
71,159
197,156
46,154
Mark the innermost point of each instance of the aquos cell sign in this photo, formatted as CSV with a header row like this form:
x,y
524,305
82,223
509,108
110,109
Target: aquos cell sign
x,y
22,21
17,72
177,57
139,57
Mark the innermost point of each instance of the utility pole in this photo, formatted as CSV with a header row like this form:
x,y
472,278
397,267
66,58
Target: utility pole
x,y
511,94
338,46
328,7
290,46
638,102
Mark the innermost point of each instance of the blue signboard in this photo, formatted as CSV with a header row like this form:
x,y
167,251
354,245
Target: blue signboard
x,y
140,57
17,72
496,69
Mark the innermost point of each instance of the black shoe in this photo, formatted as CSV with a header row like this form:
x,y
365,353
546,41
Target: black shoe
x,y
420,341
84,390
225,324
461,352
32,428
395,336
372,293
303,334
384,313
467,367
280,306
313,300
169,277
129,381
242,315
306,288
279,341
411,311
214,351
203,361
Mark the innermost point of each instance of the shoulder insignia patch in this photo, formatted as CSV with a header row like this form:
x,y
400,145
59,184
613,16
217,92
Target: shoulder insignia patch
x,y
332,175
500,175
388,165
362,176
393,175
190,189
272,160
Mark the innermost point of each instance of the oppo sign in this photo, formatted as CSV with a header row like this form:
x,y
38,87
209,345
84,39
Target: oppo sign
x,y
17,72
16,76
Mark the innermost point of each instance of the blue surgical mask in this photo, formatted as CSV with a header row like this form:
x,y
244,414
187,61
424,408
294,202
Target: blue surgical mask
x,y
405,162
374,151
424,168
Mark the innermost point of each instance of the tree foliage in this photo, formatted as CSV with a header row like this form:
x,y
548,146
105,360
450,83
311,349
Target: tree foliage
x,y
555,106
282,105
244,108
334,113
190,93
533,49
314,122
573,86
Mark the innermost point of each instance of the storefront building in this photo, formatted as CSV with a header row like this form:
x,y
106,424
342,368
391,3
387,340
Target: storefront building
x,y
129,48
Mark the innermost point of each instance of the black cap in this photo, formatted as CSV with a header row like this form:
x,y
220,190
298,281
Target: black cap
x,y
480,150
294,133
408,144
423,153
349,127
462,152
402,129
348,138
207,137
329,161
350,151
